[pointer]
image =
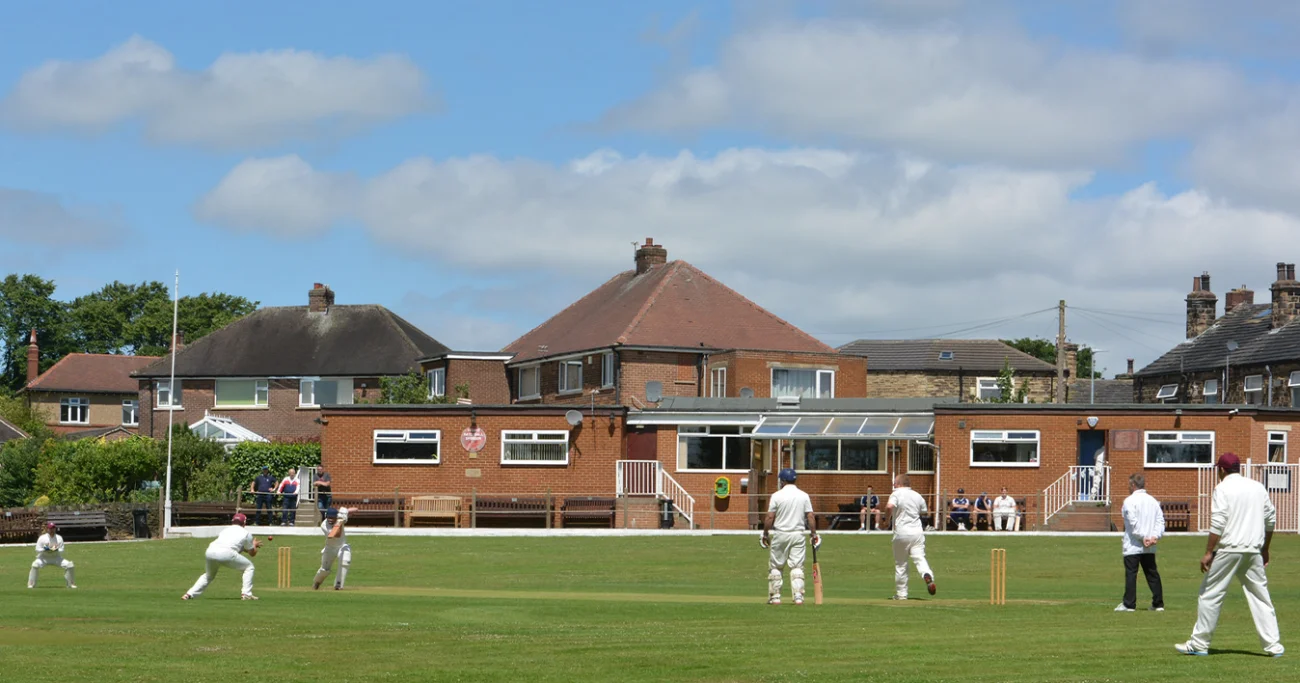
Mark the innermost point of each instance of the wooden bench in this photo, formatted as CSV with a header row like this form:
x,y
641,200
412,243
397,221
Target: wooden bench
x,y
207,513
1178,515
20,526
511,509
588,510
435,509
91,525
365,511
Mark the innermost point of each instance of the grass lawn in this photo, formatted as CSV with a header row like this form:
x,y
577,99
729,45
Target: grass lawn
x,y
626,609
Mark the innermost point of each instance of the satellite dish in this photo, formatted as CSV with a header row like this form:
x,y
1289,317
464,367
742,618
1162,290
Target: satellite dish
x,y
573,417
654,391
1233,346
746,392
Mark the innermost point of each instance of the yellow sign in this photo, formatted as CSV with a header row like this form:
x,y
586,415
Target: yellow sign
x,y
721,487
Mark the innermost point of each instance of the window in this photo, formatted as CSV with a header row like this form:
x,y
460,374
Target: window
x,y
74,411
1167,393
920,459
395,447
945,355
713,448
987,389
437,382
1254,387
838,455
1294,384
1179,449
1211,391
166,397
535,448
570,376
242,393
718,382
131,413
1277,446
607,370
1004,449
528,386
803,383
314,392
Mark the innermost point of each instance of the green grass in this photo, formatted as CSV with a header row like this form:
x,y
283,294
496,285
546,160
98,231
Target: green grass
x,y
625,609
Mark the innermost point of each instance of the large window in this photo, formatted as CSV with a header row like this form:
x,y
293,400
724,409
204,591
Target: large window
x,y
437,382
166,397
987,389
1277,446
718,382
713,448
398,447
1004,449
74,411
838,455
1179,449
130,413
314,392
1211,391
607,370
535,448
803,383
1254,388
570,376
1293,383
242,393
528,384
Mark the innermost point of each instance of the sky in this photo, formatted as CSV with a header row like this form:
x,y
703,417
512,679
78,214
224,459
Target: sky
x,y
862,168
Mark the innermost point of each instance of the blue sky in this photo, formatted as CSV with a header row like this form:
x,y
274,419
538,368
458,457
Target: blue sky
x,y
857,166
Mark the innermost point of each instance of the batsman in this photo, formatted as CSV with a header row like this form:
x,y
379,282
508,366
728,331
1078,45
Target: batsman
x,y
789,512
336,548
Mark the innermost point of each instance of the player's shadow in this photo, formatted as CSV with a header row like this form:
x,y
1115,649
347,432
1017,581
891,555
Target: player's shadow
x,y
1247,653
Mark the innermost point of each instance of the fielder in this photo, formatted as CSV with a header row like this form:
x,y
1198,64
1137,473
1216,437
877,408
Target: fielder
x,y
225,551
789,511
336,548
49,551
906,507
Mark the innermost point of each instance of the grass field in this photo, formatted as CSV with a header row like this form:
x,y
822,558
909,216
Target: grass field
x,y
625,609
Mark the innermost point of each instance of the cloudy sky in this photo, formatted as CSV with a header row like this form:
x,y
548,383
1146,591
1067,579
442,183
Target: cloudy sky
x,y
863,168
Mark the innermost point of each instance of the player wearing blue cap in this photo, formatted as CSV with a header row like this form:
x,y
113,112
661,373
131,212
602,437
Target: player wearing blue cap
x,y
789,512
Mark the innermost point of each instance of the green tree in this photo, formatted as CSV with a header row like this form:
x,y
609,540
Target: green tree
x,y
191,457
1009,392
103,321
97,471
197,316
413,389
27,303
248,458
18,461
1045,351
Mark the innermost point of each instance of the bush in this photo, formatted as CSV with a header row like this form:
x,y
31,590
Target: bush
x,y
191,457
94,471
213,483
246,459
18,461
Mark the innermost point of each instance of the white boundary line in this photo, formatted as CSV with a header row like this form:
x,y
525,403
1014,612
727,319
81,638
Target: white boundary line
x,y
212,531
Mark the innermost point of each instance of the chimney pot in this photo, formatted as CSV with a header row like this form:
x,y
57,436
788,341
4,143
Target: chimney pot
x,y
320,298
649,256
33,359
1201,306
1286,296
1290,271
1130,366
1281,270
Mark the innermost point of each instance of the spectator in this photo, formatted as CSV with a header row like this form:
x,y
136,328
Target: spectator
x,y
961,510
869,504
1004,512
322,490
263,488
1144,524
288,489
983,505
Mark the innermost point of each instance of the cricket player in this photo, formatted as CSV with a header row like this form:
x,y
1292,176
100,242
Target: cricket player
x,y
1144,524
906,507
1004,512
789,512
1098,473
49,551
225,551
1241,528
336,548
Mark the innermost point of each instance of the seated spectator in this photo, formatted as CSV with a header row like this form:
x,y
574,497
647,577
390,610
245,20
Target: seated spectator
x,y
869,504
1004,512
983,507
961,510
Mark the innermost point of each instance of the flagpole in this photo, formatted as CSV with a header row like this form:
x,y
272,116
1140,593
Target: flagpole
x,y
171,412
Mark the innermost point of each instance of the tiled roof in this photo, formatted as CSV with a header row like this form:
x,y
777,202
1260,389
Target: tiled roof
x,y
346,341
671,305
969,355
9,432
1250,325
92,373
99,432
1107,391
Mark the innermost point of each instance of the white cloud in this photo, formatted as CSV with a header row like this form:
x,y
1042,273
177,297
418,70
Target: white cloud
x,y
1254,28
242,100
44,220
1254,159
284,195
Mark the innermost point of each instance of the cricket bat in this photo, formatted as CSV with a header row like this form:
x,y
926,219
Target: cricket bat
x,y
817,578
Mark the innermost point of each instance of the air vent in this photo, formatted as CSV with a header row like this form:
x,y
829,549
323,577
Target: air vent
x,y
787,402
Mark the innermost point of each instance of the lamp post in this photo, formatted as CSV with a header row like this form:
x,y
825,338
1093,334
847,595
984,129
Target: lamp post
x,y
1232,346
171,412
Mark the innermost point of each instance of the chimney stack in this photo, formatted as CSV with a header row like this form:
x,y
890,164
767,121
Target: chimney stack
x,y
650,255
1237,297
33,359
320,298
1286,295
1130,367
1071,361
178,341
1201,305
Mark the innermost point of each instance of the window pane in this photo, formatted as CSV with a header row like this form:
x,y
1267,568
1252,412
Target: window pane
x,y
534,452
915,426
860,455
1179,453
306,392
821,454
739,453
1004,452
845,425
1295,397
1254,383
811,425
702,452
825,384
390,450
920,458
787,382
879,426
779,425
236,392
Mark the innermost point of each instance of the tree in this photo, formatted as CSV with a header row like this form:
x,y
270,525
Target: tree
x,y
1045,351
197,316
1008,392
98,471
413,389
104,321
27,303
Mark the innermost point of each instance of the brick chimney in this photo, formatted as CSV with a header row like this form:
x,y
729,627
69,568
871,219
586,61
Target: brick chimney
x,y
1237,297
650,255
178,341
1286,295
1201,304
1129,374
1071,361
320,298
33,359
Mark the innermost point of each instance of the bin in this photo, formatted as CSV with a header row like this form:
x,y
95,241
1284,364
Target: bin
x,y
666,516
141,523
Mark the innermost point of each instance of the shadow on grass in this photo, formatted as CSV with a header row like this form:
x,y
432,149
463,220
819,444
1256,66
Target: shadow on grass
x,y
1244,653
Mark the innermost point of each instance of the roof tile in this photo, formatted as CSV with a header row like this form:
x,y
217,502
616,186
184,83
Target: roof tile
x,y
92,373
970,355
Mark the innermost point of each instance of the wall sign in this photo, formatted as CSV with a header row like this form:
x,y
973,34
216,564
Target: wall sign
x,y
473,439
721,487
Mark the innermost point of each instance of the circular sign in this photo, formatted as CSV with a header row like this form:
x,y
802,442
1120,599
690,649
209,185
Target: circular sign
x,y
473,439
721,487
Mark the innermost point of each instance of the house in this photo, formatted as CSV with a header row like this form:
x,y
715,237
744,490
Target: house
x,y
1248,356
272,370
482,373
85,391
10,432
966,369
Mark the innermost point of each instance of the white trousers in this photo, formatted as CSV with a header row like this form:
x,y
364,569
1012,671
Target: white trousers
x,y
1248,568
343,554
47,560
1002,521
908,547
217,559
788,549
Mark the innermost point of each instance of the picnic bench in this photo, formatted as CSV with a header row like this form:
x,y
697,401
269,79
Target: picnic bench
x,y
510,509
587,510
435,509
20,526
89,525
203,513
367,511
1178,515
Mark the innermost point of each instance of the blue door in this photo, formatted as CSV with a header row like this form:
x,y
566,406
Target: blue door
x,y
1090,442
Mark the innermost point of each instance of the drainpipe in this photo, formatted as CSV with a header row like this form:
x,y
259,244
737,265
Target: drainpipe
x,y
1270,385
961,384
618,377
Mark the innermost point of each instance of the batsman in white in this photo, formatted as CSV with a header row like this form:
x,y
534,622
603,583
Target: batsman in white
x,y
789,511
906,507
226,551
49,551
336,548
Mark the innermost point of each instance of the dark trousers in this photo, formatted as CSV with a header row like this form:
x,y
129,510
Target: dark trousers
x,y
960,517
264,501
322,501
289,515
1148,563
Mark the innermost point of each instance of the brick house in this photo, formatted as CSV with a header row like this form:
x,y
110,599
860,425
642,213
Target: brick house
x,y
966,369
85,394
481,373
273,370
1248,356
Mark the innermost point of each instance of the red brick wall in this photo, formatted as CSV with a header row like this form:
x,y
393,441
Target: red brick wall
x,y
486,379
280,420
753,369
550,383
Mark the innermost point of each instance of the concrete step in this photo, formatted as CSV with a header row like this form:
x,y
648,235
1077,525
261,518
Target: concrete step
x,y
1085,516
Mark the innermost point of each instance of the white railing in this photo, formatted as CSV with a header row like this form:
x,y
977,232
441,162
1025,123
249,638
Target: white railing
x,y
648,478
1080,484
1205,482
1281,481
682,500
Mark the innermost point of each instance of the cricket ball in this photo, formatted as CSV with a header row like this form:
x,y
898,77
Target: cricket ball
x,y
270,538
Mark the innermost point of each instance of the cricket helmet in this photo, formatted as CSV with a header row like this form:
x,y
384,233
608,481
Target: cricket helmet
x,y
788,475
239,519
332,513
51,526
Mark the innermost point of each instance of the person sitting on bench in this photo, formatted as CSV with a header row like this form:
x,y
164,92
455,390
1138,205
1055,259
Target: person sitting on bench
x,y
983,508
961,510
869,504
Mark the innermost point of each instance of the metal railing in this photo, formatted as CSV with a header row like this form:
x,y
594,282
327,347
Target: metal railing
x,y
683,501
648,478
1079,485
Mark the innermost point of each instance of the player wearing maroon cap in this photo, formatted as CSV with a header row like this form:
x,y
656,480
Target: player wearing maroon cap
x,y
49,551
225,552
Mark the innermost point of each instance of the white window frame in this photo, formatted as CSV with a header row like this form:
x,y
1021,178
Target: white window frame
x,y
718,382
510,436
823,380
80,404
1166,392
1210,396
174,399
314,382
133,406
985,383
1276,439
404,436
689,431
261,392
567,369
1258,391
1005,436
536,372
437,382
607,370
1180,436
1293,383
882,456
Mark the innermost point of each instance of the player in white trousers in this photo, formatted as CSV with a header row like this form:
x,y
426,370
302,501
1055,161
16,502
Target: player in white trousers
x,y
906,507
1004,512
336,548
789,512
49,551
225,551
1241,528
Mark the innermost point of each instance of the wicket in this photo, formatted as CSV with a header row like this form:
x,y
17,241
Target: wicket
x,y
284,566
998,576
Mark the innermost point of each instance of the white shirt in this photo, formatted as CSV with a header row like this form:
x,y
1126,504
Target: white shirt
x,y
342,538
234,538
1004,504
1143,518
49,543
908,508
791,507
1241,513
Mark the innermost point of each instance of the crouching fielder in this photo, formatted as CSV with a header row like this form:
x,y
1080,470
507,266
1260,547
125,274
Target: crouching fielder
x,y
225,552
49,551
907,507
336,548
789,512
